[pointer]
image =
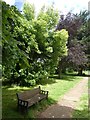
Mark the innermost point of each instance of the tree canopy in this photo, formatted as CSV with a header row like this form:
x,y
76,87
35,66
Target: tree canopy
x,y
31,46
75,24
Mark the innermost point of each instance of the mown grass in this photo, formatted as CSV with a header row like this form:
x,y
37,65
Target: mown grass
x,y
81,110
89,95
89,83
56,87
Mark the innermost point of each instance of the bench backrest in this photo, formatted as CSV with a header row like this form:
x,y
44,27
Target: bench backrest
x,y
28,94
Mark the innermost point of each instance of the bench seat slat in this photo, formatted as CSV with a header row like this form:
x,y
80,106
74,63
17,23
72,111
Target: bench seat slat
x,y
35,99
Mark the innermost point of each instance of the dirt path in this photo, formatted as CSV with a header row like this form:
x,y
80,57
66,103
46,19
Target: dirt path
x,y
65,107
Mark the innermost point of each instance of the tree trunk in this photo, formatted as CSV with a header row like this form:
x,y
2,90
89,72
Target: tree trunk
x,y
80,71
64,70
59,72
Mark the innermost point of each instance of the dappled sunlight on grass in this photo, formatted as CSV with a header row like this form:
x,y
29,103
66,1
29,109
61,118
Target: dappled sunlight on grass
x,y
18,88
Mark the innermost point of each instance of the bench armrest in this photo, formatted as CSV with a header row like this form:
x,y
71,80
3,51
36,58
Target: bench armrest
x,y
22,102
44,92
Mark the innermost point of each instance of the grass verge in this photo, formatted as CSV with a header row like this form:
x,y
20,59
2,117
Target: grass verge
x,y
81,110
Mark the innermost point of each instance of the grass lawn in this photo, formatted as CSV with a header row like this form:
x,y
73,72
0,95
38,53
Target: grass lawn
x,y
89,82
82,107
89,95
56,87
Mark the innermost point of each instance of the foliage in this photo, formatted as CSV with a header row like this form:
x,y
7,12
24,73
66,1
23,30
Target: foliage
x,y
29,11
59,45
50,15
10,50
84,37
31,48
76,58
71,22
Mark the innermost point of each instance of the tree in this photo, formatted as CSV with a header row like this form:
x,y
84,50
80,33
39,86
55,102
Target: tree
x,y
30,44
76,58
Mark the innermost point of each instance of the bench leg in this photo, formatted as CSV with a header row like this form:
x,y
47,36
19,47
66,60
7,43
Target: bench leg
x,y
18,107
24,110
47,97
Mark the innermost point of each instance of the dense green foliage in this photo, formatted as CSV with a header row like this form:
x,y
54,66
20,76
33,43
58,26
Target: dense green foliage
x,y
31,47
29,11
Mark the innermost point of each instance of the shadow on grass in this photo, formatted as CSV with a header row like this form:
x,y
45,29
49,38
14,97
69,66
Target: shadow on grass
x,y
74,74
39,82
66,77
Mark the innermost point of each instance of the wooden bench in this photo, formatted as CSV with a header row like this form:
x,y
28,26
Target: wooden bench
x,y
30,97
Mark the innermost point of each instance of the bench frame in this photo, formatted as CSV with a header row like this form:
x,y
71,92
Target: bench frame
x,y
24,104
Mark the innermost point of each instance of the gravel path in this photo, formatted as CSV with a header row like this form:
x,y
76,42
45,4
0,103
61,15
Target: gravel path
x,y
65,106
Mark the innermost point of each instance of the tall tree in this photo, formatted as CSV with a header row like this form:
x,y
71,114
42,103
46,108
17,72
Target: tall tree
x,y
72,23
15,34
30,46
